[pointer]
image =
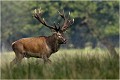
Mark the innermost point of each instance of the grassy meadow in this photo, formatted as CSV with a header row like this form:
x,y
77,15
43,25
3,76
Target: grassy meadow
x,y
66,64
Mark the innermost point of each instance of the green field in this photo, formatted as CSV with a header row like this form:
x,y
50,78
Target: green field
x,y
66,64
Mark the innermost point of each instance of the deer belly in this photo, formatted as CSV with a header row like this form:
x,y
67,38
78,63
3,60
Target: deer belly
x,y
31,54
36,50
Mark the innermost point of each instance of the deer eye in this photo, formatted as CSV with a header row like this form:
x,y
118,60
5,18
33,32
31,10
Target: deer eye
x,y
59,35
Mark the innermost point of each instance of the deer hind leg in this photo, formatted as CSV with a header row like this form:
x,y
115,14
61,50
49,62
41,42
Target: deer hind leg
x,y
17,59
13,62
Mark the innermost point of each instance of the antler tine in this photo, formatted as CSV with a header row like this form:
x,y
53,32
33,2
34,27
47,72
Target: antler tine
x,y
39,10
62,14
35,11
67,21
69,12
59,26
55,26
37,15
69,15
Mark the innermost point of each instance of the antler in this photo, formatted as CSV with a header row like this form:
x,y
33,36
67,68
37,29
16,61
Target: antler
x,y
67,22
38,14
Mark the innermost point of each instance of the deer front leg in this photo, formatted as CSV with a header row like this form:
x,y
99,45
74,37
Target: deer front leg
x,y
49,61
46,59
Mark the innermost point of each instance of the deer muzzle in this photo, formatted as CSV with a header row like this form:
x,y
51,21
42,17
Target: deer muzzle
x,y
65,41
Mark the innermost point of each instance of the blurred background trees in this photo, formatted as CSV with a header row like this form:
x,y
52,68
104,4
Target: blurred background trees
x,y
17,21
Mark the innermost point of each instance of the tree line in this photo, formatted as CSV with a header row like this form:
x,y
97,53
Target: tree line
x,y
94,21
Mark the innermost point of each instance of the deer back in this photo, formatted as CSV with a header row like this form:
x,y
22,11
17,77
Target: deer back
x,y
32,45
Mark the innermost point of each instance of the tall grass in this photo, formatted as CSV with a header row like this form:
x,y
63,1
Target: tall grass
x,y
66,64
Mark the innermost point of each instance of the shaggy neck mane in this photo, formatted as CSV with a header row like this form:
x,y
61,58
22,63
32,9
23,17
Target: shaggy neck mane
x,y
53,43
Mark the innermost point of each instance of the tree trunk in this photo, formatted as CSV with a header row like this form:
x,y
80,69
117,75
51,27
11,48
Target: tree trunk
x,y
96,33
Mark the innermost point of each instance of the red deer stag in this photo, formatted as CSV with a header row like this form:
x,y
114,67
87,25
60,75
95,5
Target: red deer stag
x,y
42,46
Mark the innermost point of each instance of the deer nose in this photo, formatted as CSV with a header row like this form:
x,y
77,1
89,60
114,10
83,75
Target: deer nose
x,y
65,40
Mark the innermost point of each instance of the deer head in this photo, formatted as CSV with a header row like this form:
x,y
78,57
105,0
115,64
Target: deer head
x,y
58,30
